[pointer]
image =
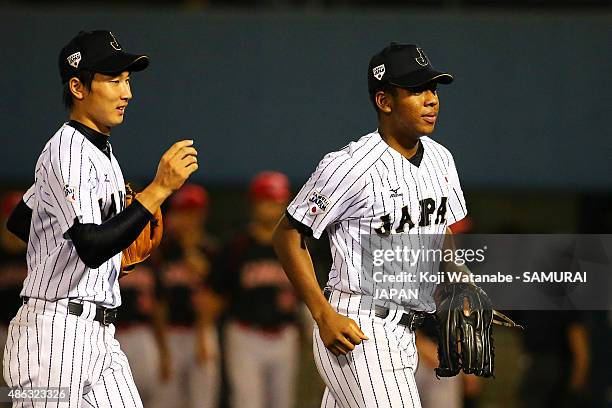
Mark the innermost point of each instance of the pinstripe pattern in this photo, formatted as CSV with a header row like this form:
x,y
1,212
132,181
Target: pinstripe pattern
x,y
69,159
363,196
378,373
359,182
67,351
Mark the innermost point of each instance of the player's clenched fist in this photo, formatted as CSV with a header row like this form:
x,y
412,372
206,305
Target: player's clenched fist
x,y
176,165
339,333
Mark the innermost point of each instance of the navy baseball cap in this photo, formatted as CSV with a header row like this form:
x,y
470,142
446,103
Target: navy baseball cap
x,y
97,51
404,66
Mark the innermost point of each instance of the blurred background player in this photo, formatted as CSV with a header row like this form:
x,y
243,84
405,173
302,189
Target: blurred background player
x,y
556,359
13,269
189,358
261,339
435,392
140,332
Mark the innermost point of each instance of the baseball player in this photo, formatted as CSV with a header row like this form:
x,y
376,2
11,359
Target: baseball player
x,y
139,332
190,355
395,180
76,224
12,269
261,335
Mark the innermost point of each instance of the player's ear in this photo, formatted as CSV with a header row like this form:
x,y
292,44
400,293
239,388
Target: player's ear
x,y
383,101
77,89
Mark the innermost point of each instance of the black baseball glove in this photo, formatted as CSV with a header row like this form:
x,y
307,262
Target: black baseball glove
x,y
465,315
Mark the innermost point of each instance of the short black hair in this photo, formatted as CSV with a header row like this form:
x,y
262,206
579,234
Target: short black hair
x,y
86,77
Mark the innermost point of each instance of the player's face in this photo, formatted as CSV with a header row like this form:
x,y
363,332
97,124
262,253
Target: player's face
x,y
267,212
414,112
184,222
104,105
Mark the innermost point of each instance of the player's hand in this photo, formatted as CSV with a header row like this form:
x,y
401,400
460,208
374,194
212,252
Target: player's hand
x,y
577,381
165,367
176,165
472,385
339,333
201,351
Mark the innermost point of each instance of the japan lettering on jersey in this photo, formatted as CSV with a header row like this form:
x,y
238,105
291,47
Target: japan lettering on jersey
x,y
74,180
369,189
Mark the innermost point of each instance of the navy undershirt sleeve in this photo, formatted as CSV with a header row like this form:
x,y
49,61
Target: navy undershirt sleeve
x,y
19,221
96,244
302,229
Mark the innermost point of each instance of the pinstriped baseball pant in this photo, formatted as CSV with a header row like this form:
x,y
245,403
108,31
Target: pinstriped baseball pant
x,y
377,373
49,348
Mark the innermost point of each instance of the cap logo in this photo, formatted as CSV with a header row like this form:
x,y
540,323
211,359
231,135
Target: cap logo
x,y
74,59
421,59
379,71
115,43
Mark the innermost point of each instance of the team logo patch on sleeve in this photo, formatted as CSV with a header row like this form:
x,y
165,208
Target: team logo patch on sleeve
x,y
70,193
317,203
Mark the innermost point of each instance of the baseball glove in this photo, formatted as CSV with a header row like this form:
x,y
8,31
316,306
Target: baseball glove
x,y
147,241
465,315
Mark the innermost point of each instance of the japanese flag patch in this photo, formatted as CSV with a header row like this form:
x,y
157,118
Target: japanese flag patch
x,y
70,193
317,203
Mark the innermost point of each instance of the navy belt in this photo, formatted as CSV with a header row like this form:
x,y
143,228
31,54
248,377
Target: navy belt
x,y
413,319
103,315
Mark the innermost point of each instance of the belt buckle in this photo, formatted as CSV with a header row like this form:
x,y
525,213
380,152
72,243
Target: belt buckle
x,y
108,316
415,320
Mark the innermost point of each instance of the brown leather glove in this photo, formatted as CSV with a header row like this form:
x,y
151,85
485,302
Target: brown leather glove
x,y
147,241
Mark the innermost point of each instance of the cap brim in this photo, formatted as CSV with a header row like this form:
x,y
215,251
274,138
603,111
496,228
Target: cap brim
x,y
422,77
120,62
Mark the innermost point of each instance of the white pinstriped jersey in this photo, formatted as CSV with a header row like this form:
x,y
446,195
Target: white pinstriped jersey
x,y
369,189
73,180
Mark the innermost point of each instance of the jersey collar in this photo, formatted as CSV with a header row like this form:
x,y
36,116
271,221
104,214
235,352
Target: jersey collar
x,y
414,160
418,156
100,140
